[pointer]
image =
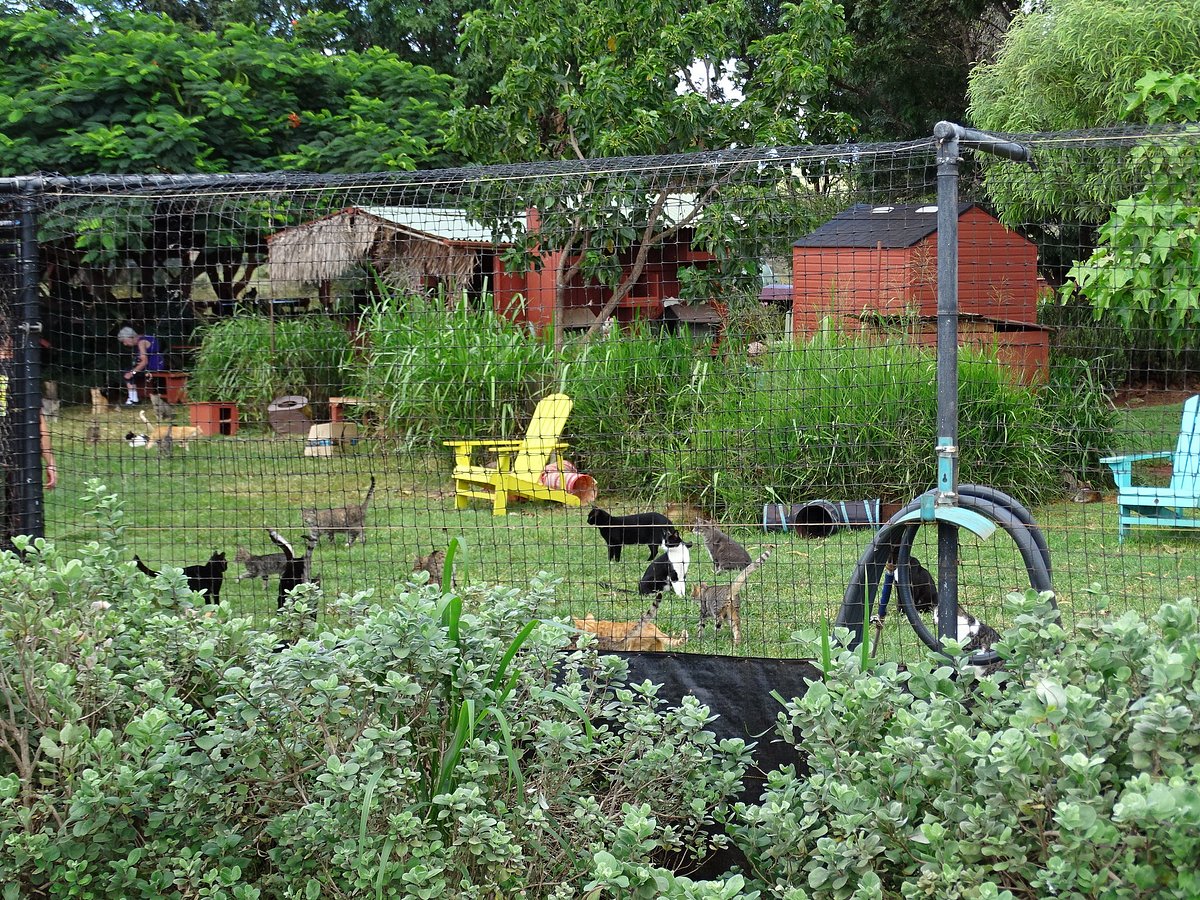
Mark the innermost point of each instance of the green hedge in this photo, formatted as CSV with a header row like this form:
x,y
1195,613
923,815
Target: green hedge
x,y
432,746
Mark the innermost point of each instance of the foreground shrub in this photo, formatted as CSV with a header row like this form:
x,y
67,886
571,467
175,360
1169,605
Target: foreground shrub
x,y
1074,775
154,747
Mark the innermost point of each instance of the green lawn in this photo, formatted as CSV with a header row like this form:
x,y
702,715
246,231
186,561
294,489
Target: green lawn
x,y
224,492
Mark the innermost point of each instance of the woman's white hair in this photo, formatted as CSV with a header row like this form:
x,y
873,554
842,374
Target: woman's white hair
x,y
126,334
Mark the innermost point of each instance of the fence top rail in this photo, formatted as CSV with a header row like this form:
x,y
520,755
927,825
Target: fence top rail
x,y
690,163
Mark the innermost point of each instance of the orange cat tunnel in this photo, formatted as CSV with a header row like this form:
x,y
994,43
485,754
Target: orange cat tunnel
x,y
564,476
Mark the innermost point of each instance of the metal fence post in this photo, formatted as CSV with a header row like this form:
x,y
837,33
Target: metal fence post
x,y
25,513
947,137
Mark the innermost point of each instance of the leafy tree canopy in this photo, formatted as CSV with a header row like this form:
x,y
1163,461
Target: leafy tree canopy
x,y
581,79
142,93
910,62
1144,273
422,33
591,78
1068,64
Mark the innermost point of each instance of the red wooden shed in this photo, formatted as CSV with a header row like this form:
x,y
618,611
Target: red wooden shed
x,y
530,296
878,264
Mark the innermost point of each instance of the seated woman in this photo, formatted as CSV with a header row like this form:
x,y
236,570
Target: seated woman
x,y
147,358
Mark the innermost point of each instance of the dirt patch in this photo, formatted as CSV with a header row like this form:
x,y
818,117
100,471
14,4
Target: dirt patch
x,y
1133,398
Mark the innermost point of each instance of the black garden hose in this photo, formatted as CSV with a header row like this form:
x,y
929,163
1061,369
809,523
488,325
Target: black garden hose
x,y
896,539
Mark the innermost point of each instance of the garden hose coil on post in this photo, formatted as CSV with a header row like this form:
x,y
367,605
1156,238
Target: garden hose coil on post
x,y
949,506
979,509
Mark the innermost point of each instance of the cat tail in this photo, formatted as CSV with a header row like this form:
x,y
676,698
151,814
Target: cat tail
x,y
748,571
282,543
143,568
613,587
652,612
370,491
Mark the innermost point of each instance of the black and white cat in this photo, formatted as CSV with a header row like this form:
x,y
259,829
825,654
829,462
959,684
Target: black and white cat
x,y
669,569
297,570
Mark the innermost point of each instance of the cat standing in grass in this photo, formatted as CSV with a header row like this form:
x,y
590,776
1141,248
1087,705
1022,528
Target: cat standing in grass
x,y
263,566
726,553
435,564
348,520
719,602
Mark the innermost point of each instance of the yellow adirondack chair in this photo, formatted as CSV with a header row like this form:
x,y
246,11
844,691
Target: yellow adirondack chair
x,y
520,463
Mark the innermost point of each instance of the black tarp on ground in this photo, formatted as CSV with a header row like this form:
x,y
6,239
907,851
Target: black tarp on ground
x,y
738,690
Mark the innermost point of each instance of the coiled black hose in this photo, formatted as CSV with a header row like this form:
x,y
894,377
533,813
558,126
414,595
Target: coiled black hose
x,y
895,540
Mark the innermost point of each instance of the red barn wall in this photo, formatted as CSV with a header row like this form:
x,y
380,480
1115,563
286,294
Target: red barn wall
x,y
997,277
845,281
997,271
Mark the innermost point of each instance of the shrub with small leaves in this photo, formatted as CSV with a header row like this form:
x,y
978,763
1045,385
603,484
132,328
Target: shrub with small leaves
x,y
434,745
1070,774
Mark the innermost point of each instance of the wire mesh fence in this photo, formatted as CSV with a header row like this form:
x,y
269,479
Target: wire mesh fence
x,y
738,347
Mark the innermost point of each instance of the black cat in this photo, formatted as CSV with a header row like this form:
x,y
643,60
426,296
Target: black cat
x,y
922,585
208,576
649,528
297,570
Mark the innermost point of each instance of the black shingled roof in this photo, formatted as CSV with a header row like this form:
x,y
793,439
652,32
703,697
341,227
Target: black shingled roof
x,y
864,225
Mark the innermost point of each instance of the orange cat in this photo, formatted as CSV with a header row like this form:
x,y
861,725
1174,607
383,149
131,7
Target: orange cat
x,y
640,635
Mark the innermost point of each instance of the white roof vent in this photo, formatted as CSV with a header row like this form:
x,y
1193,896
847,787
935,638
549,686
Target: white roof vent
x,y
927,209
881,210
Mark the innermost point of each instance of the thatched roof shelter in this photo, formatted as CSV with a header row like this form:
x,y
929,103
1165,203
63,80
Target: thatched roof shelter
x,y
410,247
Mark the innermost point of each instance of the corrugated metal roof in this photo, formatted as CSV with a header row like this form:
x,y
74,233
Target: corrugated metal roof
x,y
449,224
864,225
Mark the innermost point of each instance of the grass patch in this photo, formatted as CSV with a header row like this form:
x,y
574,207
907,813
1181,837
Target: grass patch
x,y
225,492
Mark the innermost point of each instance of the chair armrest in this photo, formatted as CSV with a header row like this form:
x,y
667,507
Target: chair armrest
x,y
495,444
1134,457
1122,466
463,450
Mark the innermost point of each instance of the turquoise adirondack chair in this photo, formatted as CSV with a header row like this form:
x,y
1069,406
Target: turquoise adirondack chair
x,y
1178,504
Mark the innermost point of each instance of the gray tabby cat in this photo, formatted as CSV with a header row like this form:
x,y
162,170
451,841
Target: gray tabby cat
x,y
260,566
719,602
727,554
347,520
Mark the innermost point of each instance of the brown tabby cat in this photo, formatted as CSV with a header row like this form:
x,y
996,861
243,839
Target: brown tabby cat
x,y
719,602
435,564
347,520
263,566
726,553
640,635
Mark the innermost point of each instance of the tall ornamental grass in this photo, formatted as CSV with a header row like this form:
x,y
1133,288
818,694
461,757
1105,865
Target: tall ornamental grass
x,y
657,415
251,359
443,375
635,397
846,421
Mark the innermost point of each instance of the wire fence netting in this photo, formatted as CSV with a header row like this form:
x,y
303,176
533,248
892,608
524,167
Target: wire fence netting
x,y
736,347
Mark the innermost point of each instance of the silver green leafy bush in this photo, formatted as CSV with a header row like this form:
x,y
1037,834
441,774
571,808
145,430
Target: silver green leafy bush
x,y
151,746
